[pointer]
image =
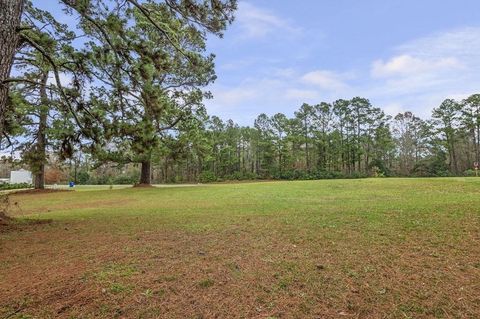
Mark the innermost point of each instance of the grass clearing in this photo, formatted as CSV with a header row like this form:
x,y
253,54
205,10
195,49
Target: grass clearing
x,y
370,248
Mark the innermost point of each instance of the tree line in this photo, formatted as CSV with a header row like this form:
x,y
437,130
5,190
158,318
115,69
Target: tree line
x,y
346,138
121,94
343,139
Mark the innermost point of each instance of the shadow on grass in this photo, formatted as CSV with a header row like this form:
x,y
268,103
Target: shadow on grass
x,y
9,224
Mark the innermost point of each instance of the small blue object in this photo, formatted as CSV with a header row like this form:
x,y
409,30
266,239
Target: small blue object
x,y
71,184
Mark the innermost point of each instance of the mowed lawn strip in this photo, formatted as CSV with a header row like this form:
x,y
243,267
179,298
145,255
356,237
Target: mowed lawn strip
x,y
369,248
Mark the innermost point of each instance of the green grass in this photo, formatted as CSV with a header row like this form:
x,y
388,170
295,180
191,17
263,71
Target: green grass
x,y
393,248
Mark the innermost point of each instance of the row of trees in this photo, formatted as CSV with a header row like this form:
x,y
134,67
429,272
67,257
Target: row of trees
x,y
346,138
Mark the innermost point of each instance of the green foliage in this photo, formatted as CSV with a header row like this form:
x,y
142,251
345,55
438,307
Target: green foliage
x,y
100,180
83,177
469,173
158,86
434,166
125,179
145,65
207,177
122,179
14,186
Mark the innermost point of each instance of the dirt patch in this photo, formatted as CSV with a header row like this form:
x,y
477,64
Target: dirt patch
x,y
11,224
5,220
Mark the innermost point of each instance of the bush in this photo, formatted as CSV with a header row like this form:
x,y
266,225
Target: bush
x,y
241,176
293,174
100,180
83,177
469,173
249,175
125,180
237,176
378,168
434,166
329,175
355,175
4,187
207,177
431,167
320,174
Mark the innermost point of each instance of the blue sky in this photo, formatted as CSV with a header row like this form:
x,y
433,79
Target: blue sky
x,y
401,54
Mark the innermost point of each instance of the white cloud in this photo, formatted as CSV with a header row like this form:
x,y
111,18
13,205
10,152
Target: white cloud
x,y
462,43
423,72
326,80
407,65
394,108
270,94
302,95
237,65
258,23
232,97
458,96
285,73
417,76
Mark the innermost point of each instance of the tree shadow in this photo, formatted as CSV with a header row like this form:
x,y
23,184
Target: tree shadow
x,y
9,223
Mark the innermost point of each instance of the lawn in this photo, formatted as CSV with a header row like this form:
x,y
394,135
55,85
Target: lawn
x,y
370,248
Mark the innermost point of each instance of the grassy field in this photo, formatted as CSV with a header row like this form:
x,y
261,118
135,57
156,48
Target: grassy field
x,y
373,248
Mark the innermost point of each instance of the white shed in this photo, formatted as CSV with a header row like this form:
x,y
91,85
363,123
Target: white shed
x,y
21,176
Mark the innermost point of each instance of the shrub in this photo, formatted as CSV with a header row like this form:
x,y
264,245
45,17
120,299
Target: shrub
x,y
469,173
329,175
291,174
207,177
125,179
376,172
320,174
83,177
241,176
249,175
355,175
4,187
100,180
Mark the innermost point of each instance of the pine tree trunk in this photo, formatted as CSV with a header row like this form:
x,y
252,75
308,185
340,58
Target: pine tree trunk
x,y
39,179
454,157
10,14
39,182
307,157
477,143
145,177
